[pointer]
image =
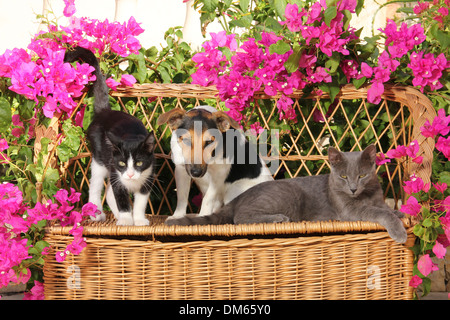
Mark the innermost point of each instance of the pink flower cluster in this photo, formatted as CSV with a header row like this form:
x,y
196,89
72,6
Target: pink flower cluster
x,y
253,65
438,11
400,152
426,68
416,189
47,77
100,36
440,127
3,146
42,75
16,219
328,38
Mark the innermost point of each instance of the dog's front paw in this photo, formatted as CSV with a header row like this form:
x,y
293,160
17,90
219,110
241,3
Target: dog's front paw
x,y
141,222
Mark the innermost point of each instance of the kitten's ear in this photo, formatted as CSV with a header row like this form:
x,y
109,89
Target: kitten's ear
x,y
112,141
370,153
224,121
173,118
334,156
149,142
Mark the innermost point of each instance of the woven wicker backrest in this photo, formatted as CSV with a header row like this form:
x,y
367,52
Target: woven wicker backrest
x,y
350,123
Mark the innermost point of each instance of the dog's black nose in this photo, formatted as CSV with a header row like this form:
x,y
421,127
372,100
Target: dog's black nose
x,y
196,172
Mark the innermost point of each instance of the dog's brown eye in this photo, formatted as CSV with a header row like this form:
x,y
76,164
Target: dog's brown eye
x,y
208,142
186,141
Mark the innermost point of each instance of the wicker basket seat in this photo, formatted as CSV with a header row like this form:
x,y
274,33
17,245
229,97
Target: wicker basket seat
x,y
302,260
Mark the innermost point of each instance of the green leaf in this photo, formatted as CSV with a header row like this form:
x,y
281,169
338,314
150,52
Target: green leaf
x,y
280,7
152,52
243,4
442,36
279,47
333,63
427,223
210,5
292,62
418,230
243,22
329,14
5,114
359,7
426,286
359,82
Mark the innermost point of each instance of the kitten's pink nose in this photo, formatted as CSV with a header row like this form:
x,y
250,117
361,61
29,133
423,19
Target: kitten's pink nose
x,y
130,174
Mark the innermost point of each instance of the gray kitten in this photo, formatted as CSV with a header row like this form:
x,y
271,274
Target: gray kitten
x,y
351,192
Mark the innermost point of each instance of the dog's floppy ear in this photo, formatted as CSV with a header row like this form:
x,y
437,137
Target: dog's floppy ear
x,y
224,121
173,118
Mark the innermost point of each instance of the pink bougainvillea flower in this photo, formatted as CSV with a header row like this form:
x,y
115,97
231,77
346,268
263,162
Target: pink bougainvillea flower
x,y
440,125
69,8
3,145
440,186
127,80
415,184
197,200
421,7
415,281
381,159
366,70
374,92
113,84
36,293
439,250
285,108
412,206
256,128
425,265
443,145
293,17
427,69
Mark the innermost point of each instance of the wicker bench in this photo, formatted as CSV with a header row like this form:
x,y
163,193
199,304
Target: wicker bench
x,y
305,260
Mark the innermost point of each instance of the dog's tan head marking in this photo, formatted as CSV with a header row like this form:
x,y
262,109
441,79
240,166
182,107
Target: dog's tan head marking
x,y
196,138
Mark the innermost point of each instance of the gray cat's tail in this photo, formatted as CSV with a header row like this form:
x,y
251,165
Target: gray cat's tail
x,y
100,88
225,215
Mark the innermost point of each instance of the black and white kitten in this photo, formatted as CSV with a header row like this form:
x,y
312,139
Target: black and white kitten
x,y
122,150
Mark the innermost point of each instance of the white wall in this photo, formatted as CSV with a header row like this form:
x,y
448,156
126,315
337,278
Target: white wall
x,y
18,18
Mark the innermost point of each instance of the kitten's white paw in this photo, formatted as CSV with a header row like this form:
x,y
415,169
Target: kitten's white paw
x,y
99,217
141,222
125,219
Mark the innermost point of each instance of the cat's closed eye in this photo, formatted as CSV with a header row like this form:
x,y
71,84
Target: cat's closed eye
x,y
343,176
362,176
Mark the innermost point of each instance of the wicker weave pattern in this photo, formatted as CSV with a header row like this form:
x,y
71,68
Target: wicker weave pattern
x,y
305,260
328,267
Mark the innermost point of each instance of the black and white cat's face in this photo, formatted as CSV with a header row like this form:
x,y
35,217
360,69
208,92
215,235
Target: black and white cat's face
x,y
352,171
133,161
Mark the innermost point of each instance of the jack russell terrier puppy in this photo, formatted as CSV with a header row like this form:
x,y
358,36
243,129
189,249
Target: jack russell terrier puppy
x,y
208,146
